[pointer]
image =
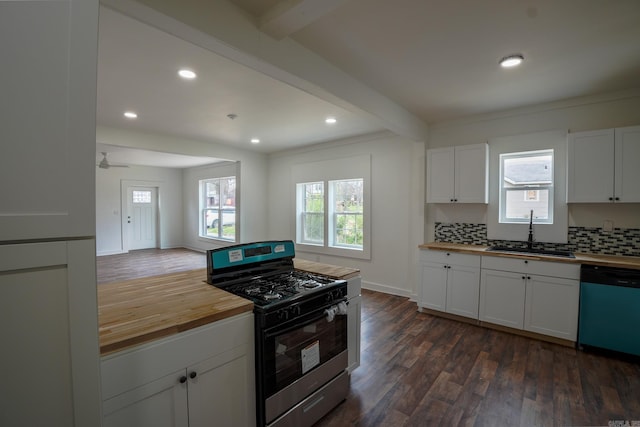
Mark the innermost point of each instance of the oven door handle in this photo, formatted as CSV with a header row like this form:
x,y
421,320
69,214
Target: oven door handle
x,y
319,314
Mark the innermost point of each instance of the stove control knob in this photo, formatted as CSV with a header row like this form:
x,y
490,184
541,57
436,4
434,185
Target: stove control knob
x,y
283,314
295,310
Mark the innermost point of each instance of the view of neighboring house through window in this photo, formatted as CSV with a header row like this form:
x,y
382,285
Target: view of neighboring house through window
x,y
344,217
526,184
218,208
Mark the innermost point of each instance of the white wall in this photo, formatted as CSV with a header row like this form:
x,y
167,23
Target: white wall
x,y
252,180
109,205
397,193
580,114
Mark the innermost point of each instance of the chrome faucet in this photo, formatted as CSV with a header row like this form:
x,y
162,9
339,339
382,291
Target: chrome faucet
x,y
530,239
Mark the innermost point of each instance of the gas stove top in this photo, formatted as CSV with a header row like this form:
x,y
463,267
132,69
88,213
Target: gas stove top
x,y
279,287
263,273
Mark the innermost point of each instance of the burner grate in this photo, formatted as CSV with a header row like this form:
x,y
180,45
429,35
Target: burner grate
x,y
282,286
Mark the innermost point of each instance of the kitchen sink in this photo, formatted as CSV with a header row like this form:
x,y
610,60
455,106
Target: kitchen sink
x,y
532,251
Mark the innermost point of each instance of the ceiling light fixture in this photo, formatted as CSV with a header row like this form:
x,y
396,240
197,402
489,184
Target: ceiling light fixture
x,y
187,74
255,141
330,120
511,61
130,115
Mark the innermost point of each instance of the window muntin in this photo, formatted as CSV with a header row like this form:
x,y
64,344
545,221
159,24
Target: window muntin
x,y
141,196
526,184
344,215
218,208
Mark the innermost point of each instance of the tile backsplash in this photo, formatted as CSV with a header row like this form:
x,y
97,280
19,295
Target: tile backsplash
x,y
620,241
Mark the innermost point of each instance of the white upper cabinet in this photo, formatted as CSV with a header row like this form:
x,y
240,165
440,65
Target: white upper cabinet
x,y
47,165
458,174
627,172
603,166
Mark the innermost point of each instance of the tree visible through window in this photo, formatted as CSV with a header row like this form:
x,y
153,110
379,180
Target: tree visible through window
x,y
526,184
345,214
218,208
312,213
347,208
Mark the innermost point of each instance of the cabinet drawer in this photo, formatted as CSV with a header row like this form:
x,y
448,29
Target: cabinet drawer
x,y
542,268
451,258
554,269
140,365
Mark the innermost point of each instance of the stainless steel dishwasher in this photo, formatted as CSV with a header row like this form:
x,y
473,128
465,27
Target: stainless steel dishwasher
x,y
609,309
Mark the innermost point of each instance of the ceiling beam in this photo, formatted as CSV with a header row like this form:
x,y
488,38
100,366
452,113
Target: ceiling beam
x,y
289,16
224,29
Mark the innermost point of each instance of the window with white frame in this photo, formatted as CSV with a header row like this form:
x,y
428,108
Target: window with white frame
x,y
332,199
311,213
344,215
218,208
526,187
347,213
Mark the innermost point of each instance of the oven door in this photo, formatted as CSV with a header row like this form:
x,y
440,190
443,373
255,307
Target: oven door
x,y
299,357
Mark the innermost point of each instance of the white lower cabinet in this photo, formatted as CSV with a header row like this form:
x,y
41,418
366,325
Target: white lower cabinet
x,y
502,295
202,377
160,403
450,282
552,305
536,296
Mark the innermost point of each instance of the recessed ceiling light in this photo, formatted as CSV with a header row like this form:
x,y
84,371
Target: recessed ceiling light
x,y
255,141
511,61
130,115
330,120
187,74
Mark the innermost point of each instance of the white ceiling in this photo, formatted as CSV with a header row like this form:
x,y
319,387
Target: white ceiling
x,y
422,60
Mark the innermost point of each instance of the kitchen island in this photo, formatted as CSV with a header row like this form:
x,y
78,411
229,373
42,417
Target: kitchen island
x,y
137,311
178,351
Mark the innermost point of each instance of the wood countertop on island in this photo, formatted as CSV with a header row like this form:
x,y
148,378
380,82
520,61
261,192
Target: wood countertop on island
x,y
580,258
140,310
333,271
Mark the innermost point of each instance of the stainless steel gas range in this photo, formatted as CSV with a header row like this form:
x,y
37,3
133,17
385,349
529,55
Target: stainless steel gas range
x,y
300,330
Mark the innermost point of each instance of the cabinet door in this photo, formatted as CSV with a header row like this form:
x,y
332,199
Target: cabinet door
x,y
434,286
160,403
48,132
552,306
48,324
502,298
463,289
590,166
627,172
353,332
471,169
440,175
221,392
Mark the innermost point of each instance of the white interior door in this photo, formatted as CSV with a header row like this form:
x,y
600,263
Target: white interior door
x,y
142,214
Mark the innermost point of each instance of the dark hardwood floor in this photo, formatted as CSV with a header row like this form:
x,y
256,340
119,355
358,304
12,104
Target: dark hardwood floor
x,y
422,370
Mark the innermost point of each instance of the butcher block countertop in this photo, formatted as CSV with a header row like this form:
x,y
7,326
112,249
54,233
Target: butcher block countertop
x,y
141,310
580,258
136,311
333,271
